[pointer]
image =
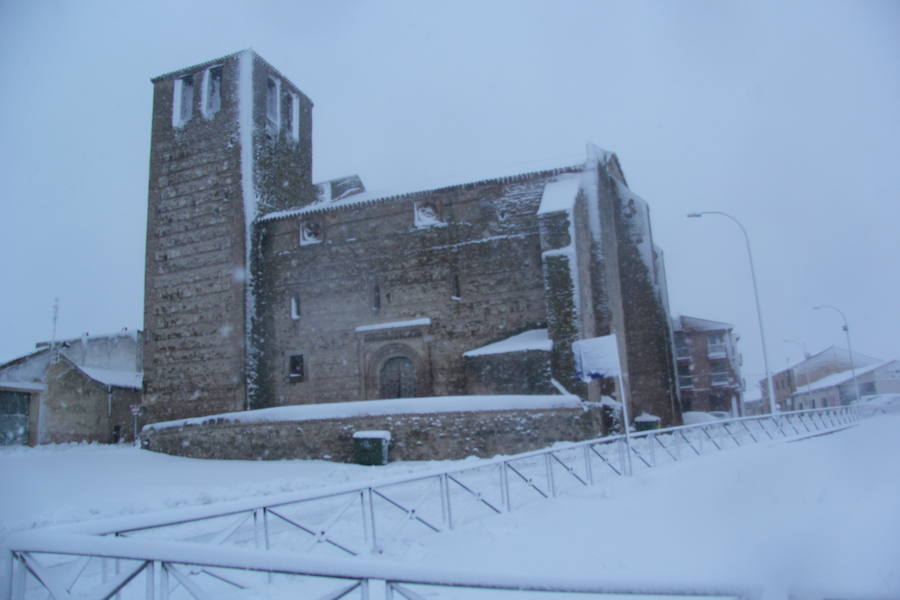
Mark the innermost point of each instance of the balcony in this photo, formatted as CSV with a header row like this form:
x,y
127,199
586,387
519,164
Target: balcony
x,y
719,379
717,351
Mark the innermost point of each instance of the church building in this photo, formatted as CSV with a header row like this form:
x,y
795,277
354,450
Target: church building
x,y
264,288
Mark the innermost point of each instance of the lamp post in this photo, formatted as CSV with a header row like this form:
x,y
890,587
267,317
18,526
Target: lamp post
x,y
805,375
849,347
762,333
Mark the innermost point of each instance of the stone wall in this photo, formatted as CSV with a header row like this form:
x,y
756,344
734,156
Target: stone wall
x,y
251,305
414,437
526,372
194,285
206,175
477,277
636,305
79,409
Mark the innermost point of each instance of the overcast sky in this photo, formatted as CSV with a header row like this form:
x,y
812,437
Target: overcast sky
x,y
784,114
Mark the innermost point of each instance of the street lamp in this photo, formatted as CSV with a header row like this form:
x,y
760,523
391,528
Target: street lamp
x,y
762,333
849,347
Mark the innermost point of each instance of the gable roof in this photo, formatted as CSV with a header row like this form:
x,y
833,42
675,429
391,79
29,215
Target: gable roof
x,y
370,197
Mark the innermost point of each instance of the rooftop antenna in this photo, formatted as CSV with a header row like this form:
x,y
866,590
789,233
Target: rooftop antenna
x,y
53,351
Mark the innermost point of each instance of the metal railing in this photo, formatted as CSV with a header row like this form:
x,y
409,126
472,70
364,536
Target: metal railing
x,y
360,520
172,569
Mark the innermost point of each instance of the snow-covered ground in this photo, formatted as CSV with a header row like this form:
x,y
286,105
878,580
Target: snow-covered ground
x,y
821,513
67,483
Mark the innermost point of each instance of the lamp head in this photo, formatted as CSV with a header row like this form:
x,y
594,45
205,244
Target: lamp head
x,y
694,215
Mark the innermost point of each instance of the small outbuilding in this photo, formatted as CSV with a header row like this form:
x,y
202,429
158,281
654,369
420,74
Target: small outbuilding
x,y
86,389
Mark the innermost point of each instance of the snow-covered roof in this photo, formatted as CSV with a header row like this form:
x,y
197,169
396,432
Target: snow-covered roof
x,y
841,378
682,323
24,358
513,173
835,353
534,339
559,195
23,386
375,408
122,379
597,357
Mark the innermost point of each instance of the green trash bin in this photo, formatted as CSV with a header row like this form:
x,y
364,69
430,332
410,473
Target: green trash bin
x,y
646,422
371,447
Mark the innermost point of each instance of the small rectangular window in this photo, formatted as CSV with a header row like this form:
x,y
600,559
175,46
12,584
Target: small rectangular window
x,y
183,100
310,233
295,308
212,91
295,368
273,102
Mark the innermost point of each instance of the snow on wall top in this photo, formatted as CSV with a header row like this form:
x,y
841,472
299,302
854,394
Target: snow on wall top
x,y
559,195
123,379
375,408
439,183
535,339
395,324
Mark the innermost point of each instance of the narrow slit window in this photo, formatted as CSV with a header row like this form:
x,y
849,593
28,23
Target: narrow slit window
x,y
183,100
295,117
212,91
376,297
295,308
273,102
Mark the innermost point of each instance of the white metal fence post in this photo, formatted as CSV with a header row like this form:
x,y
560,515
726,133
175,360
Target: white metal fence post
x,y
18,578
163,581
150,574
370,508
504,487
551,484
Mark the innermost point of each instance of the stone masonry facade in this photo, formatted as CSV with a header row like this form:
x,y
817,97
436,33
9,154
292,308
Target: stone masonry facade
x,y
264,289
413,437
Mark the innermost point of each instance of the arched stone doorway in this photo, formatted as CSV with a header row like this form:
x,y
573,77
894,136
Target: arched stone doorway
x,y
395,369
397,378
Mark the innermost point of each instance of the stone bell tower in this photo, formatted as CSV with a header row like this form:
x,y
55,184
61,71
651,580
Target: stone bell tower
x,y
231,140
